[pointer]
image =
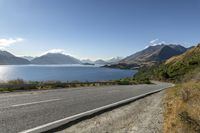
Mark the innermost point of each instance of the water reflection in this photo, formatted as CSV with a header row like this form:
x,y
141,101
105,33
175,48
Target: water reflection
x,y
5,73
62,73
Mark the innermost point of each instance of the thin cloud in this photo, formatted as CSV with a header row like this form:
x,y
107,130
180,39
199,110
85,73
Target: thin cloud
x,y
7,42
162,42
58,51
154,41
61,51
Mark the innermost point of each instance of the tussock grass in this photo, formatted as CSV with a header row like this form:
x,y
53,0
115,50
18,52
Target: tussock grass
x,y
20,84
182,108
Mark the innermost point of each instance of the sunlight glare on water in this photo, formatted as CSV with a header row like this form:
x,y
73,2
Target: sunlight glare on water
x,y
4,73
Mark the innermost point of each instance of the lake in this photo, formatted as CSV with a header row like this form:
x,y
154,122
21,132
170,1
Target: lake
x,y
61,73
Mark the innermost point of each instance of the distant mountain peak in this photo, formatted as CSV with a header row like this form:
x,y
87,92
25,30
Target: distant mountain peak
x,y
54,51
55,58
28,57
156,53
5,53
115,60
7,58
100,62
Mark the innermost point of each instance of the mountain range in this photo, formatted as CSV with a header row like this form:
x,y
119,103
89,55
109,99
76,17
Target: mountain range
x,y
154,54
7,58
28,57
113,60
180,68
147,56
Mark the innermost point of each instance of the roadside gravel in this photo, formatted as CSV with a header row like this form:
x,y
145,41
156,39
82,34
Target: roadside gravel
x,y
142,116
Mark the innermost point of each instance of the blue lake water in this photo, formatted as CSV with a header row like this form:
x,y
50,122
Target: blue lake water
x,y
61,73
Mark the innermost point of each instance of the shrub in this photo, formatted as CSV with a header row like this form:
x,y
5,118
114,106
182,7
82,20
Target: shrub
x,y
184,116
16,82
185,95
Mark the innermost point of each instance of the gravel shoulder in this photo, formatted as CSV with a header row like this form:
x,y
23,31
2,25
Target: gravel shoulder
x,y
142,116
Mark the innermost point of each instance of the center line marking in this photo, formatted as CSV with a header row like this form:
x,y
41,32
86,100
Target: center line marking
x,y
24,104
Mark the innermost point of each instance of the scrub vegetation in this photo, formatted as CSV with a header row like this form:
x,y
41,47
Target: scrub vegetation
x,y
177,69
19,84
182,102
182,108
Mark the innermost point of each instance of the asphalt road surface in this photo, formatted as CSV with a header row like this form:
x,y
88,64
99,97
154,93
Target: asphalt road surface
x,y
20,111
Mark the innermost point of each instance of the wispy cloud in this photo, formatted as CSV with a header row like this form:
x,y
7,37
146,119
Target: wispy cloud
x,y
61,51
7,42
162,42
154,41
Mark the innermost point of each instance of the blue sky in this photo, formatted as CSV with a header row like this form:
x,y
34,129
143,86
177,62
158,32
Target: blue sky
x,y
96,28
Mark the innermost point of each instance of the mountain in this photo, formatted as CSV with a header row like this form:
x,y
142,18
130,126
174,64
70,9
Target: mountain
x,y
28,57
103,62
7,58
114,60
154,54
55,58
100,62
190,55
179,68
184,70
183,67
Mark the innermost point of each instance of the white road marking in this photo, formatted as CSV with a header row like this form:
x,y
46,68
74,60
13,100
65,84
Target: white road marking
x,y
57,123
45,101
13,95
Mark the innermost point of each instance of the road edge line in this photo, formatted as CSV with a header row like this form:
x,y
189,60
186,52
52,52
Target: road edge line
x,y
57,123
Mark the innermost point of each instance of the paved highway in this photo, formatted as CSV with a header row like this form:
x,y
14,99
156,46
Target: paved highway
x,y
20,111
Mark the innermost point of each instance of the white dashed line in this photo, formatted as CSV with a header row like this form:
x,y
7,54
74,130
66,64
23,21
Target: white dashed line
x,y
24,104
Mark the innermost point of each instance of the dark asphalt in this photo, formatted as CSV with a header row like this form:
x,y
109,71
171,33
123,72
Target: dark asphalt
x,y
20,111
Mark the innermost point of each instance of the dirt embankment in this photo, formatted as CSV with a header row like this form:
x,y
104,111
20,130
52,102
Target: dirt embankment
x,y
142,116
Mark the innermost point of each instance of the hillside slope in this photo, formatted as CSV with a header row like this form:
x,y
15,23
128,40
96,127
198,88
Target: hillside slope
x,y
7,58
182,104
154,54
182,67
179,68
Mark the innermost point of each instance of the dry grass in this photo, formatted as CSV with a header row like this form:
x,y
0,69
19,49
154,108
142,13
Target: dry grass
x,y
182,108
190,53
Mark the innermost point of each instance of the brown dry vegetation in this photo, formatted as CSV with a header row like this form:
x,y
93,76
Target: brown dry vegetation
x,y
20,84
182,105
192,53
182,108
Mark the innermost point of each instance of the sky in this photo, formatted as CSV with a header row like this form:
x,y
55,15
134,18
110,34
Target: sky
x,y
96,28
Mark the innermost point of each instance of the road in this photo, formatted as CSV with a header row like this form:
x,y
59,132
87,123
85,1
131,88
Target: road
x,y
20,111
